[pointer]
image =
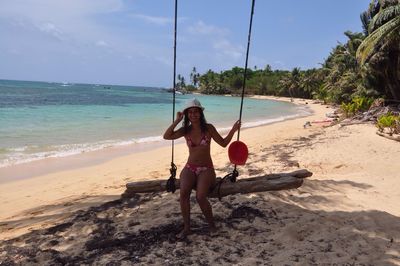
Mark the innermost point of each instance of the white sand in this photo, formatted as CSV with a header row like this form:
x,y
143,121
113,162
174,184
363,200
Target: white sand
x,y
347,212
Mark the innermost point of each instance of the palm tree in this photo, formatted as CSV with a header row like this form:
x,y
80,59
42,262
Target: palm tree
x,y
194,77
181,82
381,48
311,81
343,76
290,83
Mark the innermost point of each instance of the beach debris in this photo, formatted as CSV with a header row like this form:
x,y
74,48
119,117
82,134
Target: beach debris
x,y
246,212
333,114
270,182
395,137
326,122
307,124
371,116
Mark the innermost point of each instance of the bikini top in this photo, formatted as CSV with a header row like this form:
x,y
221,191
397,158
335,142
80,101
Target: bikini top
x,y
204,141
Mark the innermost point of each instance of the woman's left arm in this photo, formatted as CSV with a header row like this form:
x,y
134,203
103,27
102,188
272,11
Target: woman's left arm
x,y
219,139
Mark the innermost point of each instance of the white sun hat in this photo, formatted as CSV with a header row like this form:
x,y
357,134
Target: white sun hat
x,y
193,103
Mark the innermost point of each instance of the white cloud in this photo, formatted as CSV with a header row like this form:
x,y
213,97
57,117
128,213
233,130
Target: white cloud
x,y
227,48
217,38
51,29
57,9
201,28
102,43
161,21
164,60
76,18
77,23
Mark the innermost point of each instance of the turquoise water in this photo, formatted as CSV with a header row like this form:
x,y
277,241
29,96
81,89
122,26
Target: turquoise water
x,y
40,119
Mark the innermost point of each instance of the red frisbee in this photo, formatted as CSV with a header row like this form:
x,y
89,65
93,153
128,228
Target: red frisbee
x,y
238,152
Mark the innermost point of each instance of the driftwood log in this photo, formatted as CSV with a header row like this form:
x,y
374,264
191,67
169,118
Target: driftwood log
x,y
388,136
270,182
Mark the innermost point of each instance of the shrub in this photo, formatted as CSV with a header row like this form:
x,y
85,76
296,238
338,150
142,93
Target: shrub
x,y
389,121
358,104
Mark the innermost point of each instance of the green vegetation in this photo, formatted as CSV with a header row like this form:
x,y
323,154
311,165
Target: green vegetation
x,y
363,68
389,121
358,104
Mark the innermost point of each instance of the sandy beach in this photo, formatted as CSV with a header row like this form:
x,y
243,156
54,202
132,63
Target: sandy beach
x,y
347,213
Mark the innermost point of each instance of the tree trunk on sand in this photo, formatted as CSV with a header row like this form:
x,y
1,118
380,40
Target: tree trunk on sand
x,y
271,182
388,136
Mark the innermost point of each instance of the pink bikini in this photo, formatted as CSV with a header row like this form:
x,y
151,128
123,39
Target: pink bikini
x,y
204,141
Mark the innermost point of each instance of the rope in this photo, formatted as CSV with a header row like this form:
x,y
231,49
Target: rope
x,y
245,66
232,176
171,181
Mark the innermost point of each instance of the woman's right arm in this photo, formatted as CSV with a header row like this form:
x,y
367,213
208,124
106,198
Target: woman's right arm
x,y
171,133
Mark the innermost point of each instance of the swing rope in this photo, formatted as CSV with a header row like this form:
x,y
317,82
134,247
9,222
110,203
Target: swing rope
x,y
233,176
171,181
245,66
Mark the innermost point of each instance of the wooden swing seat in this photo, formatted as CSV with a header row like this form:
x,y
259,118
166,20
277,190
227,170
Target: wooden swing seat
x,y
269,182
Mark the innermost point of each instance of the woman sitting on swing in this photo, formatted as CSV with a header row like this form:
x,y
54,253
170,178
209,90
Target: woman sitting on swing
x,y
198,172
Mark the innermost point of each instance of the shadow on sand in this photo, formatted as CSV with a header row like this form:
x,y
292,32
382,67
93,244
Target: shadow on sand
x,y
260,227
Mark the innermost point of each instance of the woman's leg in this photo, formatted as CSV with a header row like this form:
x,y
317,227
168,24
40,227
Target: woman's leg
x,y
205,181
187,183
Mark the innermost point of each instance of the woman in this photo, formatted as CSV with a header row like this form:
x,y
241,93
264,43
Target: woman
x,y
198,172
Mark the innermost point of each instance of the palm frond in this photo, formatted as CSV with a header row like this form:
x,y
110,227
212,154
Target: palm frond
x,y
369,45
383,16
365,21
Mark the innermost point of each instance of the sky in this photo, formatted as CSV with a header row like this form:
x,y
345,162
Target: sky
x,y
130,42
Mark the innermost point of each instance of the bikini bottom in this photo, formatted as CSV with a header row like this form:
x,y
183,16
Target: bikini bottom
x,y
198,169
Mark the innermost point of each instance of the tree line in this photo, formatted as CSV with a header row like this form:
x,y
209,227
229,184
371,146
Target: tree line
x,y
367,65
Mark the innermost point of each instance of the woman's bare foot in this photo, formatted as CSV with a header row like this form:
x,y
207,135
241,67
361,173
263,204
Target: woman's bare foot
x,y
183,234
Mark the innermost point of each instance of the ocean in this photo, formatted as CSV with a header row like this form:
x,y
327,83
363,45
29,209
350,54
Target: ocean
x,y
45,119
